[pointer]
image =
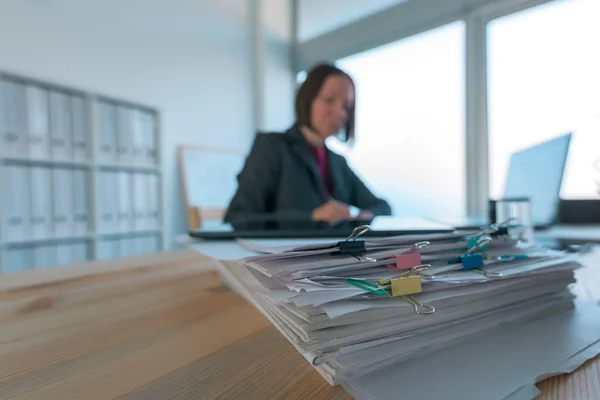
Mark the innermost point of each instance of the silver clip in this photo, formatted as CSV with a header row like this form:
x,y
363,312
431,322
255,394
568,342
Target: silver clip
x,y
427,277
505,223
357,232
488,274
365,259
484,240
419,245
416,270
493,228
419,308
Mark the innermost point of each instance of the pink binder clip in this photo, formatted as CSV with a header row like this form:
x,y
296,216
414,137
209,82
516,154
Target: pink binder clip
x,y
408,261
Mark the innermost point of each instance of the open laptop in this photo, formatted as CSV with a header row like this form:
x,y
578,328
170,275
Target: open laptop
x,y
536,173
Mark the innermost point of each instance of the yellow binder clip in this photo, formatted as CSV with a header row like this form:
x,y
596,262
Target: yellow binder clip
x,y
406,285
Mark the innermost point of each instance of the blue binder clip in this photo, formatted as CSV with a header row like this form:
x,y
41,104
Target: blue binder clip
x,y
472,261
469,261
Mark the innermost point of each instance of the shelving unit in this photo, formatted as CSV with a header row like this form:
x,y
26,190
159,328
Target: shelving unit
x,y
79,173
133,168
47,240
46,162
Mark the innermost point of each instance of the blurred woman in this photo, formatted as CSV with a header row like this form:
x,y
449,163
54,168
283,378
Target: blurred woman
x,y
294,175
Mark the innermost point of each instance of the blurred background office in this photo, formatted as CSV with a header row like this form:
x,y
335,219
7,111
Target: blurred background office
x,y
166,97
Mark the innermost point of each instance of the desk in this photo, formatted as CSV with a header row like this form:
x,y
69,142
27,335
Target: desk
x,y
164,327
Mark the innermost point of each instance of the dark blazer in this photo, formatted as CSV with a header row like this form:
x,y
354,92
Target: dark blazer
x,y
281,179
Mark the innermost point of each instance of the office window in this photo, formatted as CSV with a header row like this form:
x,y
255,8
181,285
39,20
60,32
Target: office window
x,y
410,145
300,77
544,81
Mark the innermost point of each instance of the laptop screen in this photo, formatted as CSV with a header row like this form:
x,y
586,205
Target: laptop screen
x,y
537,173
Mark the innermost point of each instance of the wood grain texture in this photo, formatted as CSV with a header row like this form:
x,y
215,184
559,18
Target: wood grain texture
x,y
166,328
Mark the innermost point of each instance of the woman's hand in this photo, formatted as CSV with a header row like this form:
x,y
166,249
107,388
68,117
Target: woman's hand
x,y
332,212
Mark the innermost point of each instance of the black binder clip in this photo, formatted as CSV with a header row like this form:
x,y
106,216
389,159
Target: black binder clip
x,y
495,230
501,231
351,246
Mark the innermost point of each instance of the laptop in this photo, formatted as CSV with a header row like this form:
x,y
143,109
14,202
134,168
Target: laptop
x,y
297,228
535,173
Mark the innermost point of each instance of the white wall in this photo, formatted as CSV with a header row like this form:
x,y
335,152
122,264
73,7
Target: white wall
x,y
273,51
192,60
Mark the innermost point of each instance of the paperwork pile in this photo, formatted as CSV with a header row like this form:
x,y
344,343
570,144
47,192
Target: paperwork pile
x,y
356,306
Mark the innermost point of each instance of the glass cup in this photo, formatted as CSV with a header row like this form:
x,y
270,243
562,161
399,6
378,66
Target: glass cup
x,y
515,214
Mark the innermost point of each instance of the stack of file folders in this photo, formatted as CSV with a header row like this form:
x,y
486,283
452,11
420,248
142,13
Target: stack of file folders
x,y
352,307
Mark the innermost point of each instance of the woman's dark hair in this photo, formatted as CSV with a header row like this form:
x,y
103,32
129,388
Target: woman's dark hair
x,y
310,89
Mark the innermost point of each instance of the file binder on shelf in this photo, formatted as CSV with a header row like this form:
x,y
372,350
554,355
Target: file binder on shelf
x,y
107,130
149,135
108,249
108,190
13,118
125,135
72,253
81,206
128,247
138,246
16,259
16,203
41,207
140,202
38,113
125,206
138,140
80,252
63,254
152,202
81,140
44,256
63,202
151,244
61,125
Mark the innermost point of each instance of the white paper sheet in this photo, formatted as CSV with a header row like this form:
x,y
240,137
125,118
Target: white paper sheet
x,y
530,391
326,296
220,250
278,246
500,366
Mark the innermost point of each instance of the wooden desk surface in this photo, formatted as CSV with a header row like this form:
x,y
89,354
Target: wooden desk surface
x,y
163,327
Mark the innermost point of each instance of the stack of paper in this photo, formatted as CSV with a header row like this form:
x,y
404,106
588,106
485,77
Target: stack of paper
x,y
356,306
